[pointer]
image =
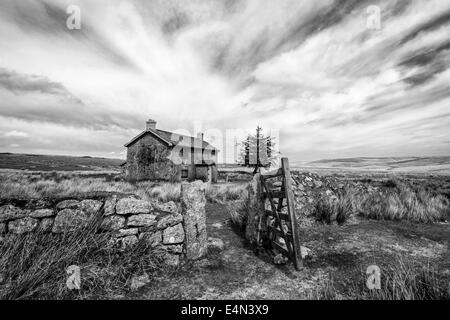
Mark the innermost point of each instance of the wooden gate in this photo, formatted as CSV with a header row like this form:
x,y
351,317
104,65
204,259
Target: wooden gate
x,y
282,227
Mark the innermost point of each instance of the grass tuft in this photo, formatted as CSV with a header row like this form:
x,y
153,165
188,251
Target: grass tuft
x,y
34,265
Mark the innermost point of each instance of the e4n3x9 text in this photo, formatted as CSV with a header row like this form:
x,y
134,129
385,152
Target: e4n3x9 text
x,y
238,309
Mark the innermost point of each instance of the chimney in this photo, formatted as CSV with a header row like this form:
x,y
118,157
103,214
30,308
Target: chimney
x,y
200,135
151,124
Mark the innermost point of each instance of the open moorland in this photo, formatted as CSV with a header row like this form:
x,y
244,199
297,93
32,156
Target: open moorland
x,y
401,227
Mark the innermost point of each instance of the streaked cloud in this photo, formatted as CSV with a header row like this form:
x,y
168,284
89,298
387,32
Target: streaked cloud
x,y
312,69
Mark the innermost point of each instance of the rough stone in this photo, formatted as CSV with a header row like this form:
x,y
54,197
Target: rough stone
x,y
127,232
69,220
10,212
153,238
42,213
2,228
141,220
36,204
133,206
256,211
193,203
110,206
68,204
91,207
173,235
138,282
305,252
46,225
168,207
169,221
112,223
23,225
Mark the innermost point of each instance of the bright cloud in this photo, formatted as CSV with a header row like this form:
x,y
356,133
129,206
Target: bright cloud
x,y
311,69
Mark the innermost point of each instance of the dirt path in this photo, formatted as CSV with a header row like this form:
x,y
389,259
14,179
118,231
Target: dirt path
x,y
342,253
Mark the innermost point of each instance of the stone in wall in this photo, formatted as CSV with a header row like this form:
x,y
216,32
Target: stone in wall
x,y
42,213
127,232
153,238
141,220
110,206
68,204
133,206
23,225
255,207
46,225
112,223
10,212
193,202
173,235
2,228
165,207
169,220
91,207
69,220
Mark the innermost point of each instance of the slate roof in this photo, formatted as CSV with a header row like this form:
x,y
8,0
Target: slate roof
x,y
172,139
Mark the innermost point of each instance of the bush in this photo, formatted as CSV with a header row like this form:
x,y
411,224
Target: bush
x,y
406,204
338,209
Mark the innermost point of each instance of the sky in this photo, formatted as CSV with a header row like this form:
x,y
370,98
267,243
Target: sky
x,y
323,76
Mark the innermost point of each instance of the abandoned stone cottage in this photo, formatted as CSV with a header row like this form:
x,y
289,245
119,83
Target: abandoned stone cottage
x,y
161,155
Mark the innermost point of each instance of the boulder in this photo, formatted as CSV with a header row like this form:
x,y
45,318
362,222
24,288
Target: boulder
x,y
112,223
42,213
23,225
256,211
46,225
169,220
193,202
91,207
142,220
70,219
68,204
173,235
133,206
10,212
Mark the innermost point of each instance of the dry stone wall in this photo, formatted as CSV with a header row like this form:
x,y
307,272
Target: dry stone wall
x,y
127,218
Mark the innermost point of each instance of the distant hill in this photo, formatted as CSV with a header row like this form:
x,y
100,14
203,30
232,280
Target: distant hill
x,y
56,163
440,165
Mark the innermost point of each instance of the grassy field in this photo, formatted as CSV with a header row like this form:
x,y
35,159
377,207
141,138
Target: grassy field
x,y
404,231
403,165
57,163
